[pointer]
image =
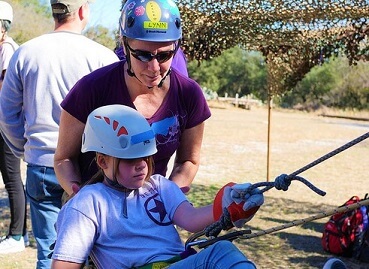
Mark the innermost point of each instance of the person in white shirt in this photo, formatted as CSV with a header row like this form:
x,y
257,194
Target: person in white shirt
x,y
40,74
17,237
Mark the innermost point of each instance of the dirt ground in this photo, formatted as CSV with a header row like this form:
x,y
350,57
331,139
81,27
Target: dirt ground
x,y
236,143
235,148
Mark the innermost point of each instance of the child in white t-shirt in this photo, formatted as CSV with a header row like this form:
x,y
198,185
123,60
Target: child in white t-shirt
x,y
125,217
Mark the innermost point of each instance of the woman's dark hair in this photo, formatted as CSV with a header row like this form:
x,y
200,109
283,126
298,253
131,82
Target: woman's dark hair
x,y
5,24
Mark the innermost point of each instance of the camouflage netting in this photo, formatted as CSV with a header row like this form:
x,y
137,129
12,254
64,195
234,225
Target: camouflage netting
x,y
292,35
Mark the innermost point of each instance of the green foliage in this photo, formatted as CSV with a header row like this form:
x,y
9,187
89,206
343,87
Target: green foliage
x,y
333,84
32,19
293,35
234,72
352,88
214,31
101,35
312,89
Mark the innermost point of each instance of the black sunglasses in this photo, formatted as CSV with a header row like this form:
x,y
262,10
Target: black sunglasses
x,y
146,56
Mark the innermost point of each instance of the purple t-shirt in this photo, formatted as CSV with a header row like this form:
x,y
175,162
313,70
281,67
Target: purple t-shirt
x,y
183,107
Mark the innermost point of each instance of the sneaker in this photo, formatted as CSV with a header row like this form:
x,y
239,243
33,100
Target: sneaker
x,y
334,263
26,240
10,245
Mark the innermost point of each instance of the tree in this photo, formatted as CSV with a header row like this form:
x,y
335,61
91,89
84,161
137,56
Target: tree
x,y
31,19
335,84
312,90
352,89
235,71
101,35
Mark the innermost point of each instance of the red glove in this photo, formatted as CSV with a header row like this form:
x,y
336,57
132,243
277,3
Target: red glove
x,y
239,214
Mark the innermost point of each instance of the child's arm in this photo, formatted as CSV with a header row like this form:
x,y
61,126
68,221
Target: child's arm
x,y
193,219
58,264
241,209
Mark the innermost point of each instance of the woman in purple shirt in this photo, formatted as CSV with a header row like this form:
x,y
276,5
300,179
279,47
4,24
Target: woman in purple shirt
x,y
173,104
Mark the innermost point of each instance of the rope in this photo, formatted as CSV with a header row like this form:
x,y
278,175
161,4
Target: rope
x,y
331,154
281,182
341,209
245,234
224,223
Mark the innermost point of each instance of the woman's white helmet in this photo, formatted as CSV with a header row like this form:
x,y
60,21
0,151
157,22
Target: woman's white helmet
x,y
119,131
6,11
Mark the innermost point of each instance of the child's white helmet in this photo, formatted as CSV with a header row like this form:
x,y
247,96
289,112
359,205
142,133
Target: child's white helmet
x,y
6,11
119,131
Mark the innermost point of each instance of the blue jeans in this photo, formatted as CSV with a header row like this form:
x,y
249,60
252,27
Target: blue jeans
x,y
44,194
220,255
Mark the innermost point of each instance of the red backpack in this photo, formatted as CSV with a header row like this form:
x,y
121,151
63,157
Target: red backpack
x,y
341,231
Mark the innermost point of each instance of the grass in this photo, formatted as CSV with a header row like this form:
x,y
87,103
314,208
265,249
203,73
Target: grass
x,y
235,149
292,247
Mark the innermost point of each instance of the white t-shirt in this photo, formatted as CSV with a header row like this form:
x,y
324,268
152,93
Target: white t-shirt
x,y
7,49
40,74
93,221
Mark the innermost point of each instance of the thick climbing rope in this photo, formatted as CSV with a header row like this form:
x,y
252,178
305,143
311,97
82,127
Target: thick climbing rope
x,y
341,209
246,234
282,182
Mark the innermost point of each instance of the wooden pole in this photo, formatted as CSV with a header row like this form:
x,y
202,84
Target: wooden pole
x,y
268,142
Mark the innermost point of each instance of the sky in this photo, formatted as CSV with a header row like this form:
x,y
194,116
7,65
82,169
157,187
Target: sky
x,y
103,12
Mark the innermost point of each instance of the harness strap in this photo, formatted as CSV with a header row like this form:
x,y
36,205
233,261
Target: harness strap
x,y
165,264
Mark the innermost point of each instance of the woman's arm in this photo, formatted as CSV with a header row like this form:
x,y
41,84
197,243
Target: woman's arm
x,y
67,151
57,264
193,219
187,158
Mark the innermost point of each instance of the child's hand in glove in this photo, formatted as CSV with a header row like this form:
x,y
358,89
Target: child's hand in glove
x,y
241,203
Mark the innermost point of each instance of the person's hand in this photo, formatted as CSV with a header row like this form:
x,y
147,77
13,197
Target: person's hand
x,y
251,198
185,189
241,202
75,188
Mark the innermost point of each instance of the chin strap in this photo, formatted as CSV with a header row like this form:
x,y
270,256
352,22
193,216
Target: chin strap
x,y
162,80
132,74
129,72
128,59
